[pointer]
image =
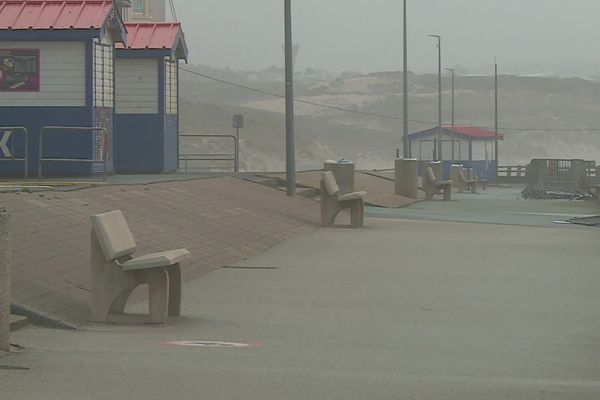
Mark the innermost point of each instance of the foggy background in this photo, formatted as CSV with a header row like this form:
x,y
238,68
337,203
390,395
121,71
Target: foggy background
x,y
528,37
351,57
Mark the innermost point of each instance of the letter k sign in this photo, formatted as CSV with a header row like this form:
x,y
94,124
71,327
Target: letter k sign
x,y
4,144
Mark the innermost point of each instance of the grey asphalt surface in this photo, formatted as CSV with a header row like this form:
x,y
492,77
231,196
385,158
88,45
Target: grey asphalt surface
x,y
492,206
399,310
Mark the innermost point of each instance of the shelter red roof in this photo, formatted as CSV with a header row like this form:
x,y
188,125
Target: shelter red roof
x,y
152,35
54,14
474,132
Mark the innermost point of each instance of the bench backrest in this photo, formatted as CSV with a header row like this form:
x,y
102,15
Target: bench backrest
x,y
430,175
114,234
330,183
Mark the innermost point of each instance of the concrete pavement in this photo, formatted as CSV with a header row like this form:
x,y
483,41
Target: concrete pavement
x,y
220,220
398,310
496,205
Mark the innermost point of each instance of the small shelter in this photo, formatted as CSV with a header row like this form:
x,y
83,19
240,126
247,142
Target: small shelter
x,y
147,97
56,69
470,146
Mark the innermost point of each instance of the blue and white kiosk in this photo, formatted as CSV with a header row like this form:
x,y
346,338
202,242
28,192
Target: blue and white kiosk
x,y
147,97
57,70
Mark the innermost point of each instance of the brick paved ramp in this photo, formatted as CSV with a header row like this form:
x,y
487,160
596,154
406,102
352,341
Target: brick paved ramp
x,y
380,191
222,221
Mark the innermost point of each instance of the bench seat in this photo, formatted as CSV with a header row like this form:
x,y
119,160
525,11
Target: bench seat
x,y
157,260
352,196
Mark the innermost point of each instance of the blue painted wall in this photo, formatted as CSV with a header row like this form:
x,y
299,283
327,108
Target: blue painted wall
x,y
147,143
56,144
139,144
485,169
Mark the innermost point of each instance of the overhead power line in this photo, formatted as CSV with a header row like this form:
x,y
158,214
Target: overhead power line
x,y
264,92
374,115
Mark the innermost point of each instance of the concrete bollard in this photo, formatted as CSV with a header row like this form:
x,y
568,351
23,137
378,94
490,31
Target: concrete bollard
x,y
343,171
5,261
407,177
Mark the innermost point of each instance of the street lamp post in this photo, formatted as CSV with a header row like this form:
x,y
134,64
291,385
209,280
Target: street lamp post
x,y
439,45
496,116
289,102
452,71
405,142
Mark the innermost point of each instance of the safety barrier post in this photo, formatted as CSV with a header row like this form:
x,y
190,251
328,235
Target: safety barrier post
x,y
5,261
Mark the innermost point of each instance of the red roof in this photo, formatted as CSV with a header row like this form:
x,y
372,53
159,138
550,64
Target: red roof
x,y
474,132
152,35
54,14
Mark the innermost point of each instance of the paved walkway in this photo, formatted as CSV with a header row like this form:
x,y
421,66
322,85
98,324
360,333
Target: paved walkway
x,y
496,205
221,220
398,310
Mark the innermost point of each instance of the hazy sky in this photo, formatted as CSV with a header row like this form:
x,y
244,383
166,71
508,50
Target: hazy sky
x,y
366,35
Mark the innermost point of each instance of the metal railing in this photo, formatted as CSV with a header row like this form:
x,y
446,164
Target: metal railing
x,y
102,147
512,171
186,158
12,158
520,171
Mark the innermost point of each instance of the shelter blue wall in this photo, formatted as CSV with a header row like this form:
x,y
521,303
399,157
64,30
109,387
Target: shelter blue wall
x,y
139,143
56,143
147,143
484,169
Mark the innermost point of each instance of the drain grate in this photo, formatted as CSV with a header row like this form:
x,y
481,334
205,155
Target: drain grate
x,y
211,344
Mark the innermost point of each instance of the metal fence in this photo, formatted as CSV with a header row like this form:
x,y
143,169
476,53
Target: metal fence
x,y
100,151
558,175
9,154
207,161
518,173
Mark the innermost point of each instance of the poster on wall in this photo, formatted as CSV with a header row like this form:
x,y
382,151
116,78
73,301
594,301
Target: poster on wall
x,y
19,70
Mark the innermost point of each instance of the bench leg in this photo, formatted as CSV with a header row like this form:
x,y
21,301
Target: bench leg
x,y
429,194
447,193
174,291
111,287
330,208
158,293
357,213
473,188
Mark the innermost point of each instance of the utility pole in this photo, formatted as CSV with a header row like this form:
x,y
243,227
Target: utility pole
x,y
405,140
496,114
439,45
452,71
290,148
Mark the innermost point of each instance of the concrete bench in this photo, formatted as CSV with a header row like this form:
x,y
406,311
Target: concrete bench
x,y
116,272
480,182
460,181
433,186
332,202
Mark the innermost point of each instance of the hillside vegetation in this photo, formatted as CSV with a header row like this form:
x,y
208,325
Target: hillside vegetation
x,y
536,108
